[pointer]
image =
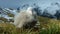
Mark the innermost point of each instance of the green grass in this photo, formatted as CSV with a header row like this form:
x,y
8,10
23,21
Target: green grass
x,y
47,26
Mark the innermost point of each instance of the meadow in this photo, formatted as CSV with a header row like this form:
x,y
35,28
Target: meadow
x,y
47,26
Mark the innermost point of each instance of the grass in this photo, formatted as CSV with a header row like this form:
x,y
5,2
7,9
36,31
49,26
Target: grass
x,y
47,26
6,28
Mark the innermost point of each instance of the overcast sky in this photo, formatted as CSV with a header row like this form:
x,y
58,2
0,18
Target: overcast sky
x,y
18,3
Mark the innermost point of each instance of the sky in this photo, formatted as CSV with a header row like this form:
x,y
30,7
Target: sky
x,y
19,3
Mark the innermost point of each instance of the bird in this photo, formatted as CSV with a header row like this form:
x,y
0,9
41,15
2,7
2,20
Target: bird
x,y
26,18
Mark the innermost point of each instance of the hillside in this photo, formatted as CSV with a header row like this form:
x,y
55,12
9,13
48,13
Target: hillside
x,y
47,26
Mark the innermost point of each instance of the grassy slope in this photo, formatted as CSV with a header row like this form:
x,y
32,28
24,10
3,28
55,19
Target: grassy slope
x,y
47,26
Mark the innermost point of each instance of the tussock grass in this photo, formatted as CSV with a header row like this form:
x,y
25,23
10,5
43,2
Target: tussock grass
x,y
6,28
47,26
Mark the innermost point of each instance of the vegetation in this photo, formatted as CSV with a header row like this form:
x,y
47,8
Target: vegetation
x,y
47,26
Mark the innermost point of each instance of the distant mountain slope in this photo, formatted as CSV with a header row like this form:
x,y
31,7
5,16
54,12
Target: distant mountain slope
x,y
52,11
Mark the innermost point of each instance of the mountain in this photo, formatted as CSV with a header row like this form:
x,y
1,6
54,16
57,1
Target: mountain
x,y
52,11
57,14
7,13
